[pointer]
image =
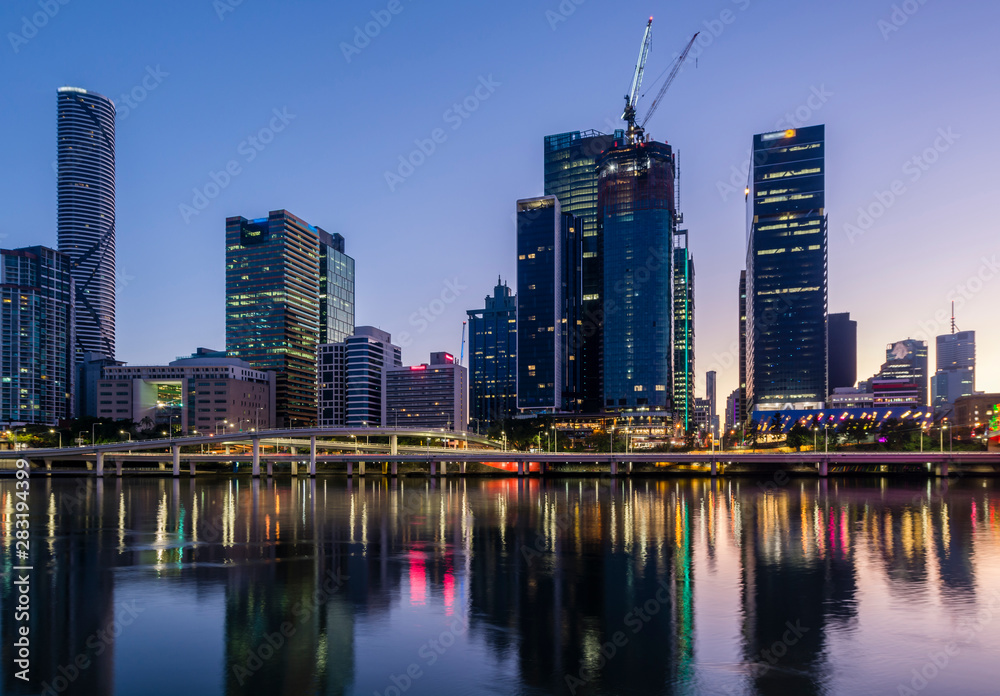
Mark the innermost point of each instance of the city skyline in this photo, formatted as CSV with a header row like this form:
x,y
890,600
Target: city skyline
x,y
163,155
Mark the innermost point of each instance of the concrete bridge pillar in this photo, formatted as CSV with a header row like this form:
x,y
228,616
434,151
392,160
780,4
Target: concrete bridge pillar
x,y
175,453
295,468
118,468
614,467
48,465
444,468
715,468
255,447
824,468
361,468
162,466
543,468
99,466
461,468
941,470
393,444
312,456
394,468
270,468
350,468
192,467
433,468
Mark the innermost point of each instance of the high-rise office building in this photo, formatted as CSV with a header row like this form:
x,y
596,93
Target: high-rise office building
x,y
711,395
740,412
431,395
638,217
683,330
903,377
548,302
336,289
36,323
272,306
86,213
493,359
571,176
352,379
732,412
842,346
955,376
787,271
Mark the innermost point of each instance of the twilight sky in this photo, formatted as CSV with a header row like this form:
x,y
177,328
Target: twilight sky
x,y
909,97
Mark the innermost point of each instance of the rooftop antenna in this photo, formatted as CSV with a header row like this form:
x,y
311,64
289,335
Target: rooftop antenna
x,y
953,327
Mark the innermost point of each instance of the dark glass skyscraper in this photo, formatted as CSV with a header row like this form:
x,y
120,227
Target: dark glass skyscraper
x,y
683,330
548,285
36,323
493,359
843,350
637,216
571,176
741,411
336,289
787,272
272,306
86,217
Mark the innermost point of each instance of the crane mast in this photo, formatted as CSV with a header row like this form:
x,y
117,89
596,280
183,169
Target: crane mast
x,y
630,99
669,80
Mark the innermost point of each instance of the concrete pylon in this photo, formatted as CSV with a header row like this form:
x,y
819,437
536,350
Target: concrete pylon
x,y
175,451
312,456
255,446
99,466
393,444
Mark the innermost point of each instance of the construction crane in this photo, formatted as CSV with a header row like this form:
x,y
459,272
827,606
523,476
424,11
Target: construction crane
x,y
670,78
629,114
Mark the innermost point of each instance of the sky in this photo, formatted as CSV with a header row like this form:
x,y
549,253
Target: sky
x,y
412,127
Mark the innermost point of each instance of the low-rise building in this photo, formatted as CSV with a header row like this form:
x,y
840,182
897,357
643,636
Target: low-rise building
x,y
431,395
202,393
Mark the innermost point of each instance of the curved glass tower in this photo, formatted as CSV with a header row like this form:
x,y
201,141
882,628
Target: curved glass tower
x,y
86,158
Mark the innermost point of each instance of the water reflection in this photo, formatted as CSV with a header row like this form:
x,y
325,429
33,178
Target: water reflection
x,y
582,586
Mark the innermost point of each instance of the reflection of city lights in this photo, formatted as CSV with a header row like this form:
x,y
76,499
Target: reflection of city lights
x,y
418,579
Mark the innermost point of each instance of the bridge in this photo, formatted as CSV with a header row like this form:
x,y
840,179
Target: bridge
x,y
252,448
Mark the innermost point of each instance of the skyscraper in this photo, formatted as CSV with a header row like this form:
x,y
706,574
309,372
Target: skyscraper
x,y
86,213
336,289
956,369
434,395
787,271
272,306
842,345
493,359
741,411
571,176
637,217
36,320
903,377
548,282
711,395
683,329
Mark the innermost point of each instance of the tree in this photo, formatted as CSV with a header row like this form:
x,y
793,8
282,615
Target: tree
x,y
797,436
855,429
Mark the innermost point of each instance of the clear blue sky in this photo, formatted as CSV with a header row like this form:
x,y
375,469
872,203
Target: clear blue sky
x,y
217,76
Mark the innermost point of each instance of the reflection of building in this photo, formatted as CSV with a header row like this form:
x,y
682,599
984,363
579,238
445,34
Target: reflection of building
x,y
352,379
638,218
198,393
787,271
683,329
548,281
86,184
571,176
493,359
956,370
279,271
429,396
36,316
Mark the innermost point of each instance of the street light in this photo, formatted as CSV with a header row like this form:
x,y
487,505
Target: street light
x,y
504,433
555,439
60,437
93,427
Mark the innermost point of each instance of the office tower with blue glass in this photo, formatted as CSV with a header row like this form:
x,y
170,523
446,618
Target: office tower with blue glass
x,y
336,289
493,359
548,301
683,392
86,213
637,217
955,376
36,316
786,327
842,342
571,176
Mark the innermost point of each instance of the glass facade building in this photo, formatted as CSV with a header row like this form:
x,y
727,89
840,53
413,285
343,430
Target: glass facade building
x,y
86,213
741,411
336,289
571,176
431,395
548,302
36,321
956,369
786,331
637,217
905,369
272,306
683,330
493,359
842,342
